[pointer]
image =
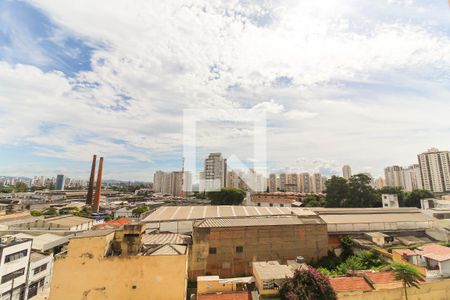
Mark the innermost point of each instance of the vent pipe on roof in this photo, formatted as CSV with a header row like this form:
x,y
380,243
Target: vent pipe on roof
x,y
90,191
96,204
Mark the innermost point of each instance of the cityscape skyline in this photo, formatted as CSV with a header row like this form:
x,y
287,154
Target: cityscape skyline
x,y
355,83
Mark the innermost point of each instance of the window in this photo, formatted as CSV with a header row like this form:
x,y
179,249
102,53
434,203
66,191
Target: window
x,y
271,204
40,269
281,205
212,250
259,204
15,256
41,282
239,249
12,275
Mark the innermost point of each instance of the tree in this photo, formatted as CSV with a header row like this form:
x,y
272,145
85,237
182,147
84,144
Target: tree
x,y
408,274
139,210
313,201
336,190
51,212
346,245
413,198
226,196
35,213
361,193
21,187
307,284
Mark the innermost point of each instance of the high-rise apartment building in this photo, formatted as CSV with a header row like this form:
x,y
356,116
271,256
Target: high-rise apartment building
x,y
215,171
283,182
435,170
305,183
411,178
394,176
408,179
273,183
316,180
291,183
172,183
59,182
346,171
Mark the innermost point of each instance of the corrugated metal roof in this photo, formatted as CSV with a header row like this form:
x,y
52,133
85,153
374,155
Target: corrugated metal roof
x,y
260,221
184,213
170,250
164,238
376,218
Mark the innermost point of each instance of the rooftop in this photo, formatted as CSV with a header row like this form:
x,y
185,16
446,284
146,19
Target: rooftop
x,y
168,250
35,256
271,270
375,218
93,233
434,252
226,296
115,223
349,284
374,210
165,238
406,252
376,234
9,240
381,277
45,241
184,213
261,221
68,221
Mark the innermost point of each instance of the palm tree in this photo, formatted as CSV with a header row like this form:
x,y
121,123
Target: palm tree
x,y
408,274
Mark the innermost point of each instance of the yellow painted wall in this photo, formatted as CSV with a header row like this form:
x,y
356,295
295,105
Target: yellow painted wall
x,y
120,278
435,290
90,246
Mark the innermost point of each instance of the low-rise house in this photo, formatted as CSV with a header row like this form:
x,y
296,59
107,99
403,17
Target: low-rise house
x,y
432,260
269,276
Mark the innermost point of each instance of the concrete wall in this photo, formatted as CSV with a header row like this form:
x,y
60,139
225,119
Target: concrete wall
x,y
435,290
90,246
382,226
120,278
260,243
212,285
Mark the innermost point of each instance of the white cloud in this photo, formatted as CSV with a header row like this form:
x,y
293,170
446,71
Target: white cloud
x,y
346,99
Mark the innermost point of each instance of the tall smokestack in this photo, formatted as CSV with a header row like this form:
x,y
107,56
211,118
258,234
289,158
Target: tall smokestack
x,y
98,188
91,182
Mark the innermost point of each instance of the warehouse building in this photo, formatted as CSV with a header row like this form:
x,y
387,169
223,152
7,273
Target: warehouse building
x,y
227,247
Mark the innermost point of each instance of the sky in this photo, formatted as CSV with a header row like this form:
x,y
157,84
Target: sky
x,y
364,83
